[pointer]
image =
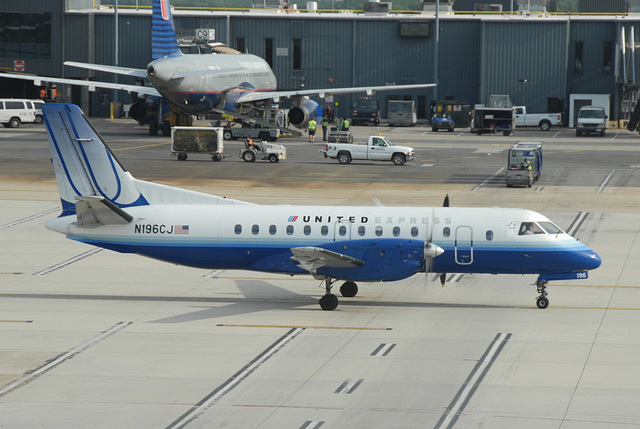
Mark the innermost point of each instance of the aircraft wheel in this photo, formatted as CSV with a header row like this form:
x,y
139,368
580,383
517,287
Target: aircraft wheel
x,y
273,158
153,128
349,289
165,127
328,302
249,156
542,302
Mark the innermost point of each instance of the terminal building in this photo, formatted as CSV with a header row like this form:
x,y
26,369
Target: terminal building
x,y
522,48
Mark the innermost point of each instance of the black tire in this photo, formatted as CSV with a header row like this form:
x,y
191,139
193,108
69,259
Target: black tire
x,y
328,302
578,133
248,156
165,127
153,128
506,133
542,302
216,158
227,135
545,125
349,289
603,133
14,123
273,158
434,129
182,157
344,157
398,158
450,130
376,123
39,119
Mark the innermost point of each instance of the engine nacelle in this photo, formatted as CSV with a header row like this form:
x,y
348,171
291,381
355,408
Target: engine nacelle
x,y
303,111
145,111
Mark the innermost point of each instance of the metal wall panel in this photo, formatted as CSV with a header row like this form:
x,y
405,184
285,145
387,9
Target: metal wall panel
x,y
593,79
515,51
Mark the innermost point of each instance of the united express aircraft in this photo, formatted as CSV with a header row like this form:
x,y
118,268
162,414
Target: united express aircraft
x,y
196,84
105,206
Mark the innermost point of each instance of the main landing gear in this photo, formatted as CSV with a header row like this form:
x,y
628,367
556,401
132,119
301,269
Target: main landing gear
x,y
542,301
329,301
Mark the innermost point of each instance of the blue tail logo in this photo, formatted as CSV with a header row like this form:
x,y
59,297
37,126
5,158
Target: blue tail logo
x,y
163,32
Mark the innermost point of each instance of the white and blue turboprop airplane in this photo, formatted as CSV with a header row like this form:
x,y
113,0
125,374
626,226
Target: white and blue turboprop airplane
x,y
104,205
197,84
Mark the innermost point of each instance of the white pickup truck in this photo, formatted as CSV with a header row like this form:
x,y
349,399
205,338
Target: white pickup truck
x,y
542,120
377,148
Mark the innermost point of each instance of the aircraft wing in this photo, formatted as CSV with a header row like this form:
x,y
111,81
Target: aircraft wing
x,y
92,210
92,85
369,90
312,258
126,71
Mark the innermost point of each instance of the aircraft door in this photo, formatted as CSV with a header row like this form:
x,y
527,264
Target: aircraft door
x,y
464,245
342,230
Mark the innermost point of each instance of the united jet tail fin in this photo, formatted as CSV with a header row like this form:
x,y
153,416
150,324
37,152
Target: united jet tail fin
x,y
92,182
163,32
84,165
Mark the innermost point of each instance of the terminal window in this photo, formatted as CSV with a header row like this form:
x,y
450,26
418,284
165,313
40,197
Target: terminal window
x,y
25,35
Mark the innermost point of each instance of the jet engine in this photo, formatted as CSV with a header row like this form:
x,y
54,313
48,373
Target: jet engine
x,y
302,111
145,111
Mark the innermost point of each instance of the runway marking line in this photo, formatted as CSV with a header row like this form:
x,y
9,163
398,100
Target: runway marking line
x,y
353,328
16,321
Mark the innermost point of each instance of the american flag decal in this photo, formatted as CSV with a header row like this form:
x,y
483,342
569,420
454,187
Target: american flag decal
x,y
293,218
181,229
164,9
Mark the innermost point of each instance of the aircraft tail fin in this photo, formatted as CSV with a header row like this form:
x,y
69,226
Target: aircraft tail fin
x,y
92,182
84,165
163,32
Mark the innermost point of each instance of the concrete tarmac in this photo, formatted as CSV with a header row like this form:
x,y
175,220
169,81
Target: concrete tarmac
x,y
93,338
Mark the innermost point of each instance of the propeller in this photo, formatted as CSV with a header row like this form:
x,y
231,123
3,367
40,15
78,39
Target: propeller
x,y
442,276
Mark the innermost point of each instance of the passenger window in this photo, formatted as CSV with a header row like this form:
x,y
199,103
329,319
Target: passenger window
x,y
324,230
446,231
361,231
272,230
414,231
307,230
529,228
378,231
255,229
342,230
238,229
396,231
489,235
289,229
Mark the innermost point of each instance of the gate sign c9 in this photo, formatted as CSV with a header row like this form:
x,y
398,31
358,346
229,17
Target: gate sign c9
x,y
205,33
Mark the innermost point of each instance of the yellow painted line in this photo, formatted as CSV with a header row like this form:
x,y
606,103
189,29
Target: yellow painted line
x,y
16,321
356,328
595,286
139,147
9,274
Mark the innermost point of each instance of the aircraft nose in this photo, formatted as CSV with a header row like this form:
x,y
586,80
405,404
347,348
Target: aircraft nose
x,y
591,260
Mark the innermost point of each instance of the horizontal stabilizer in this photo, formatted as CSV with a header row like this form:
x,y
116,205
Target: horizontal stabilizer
x,y
312,258
98,210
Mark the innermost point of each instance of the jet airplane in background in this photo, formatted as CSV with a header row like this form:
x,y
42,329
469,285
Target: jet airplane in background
x,y
197,83
105,206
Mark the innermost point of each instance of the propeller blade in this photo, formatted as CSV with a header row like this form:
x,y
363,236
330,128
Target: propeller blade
x,y
443,278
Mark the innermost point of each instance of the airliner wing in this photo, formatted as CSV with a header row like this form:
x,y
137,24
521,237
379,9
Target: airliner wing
x,y
92,85
370,90
92,210
126,71
312,258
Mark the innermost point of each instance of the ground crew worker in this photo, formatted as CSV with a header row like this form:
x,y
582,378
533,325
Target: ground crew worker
x,y
526,165
325,125
346,124
312,130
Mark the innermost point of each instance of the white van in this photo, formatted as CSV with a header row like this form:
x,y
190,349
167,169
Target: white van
x,y
13,112
591,119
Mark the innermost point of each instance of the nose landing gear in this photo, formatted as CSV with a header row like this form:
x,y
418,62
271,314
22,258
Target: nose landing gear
x,y
542,301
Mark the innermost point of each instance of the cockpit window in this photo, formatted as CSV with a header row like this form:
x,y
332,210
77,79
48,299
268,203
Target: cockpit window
x,y
529,228
551,228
